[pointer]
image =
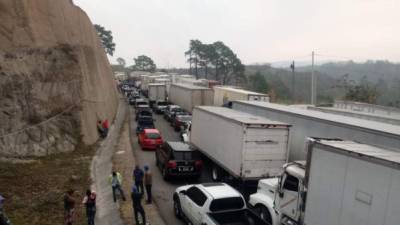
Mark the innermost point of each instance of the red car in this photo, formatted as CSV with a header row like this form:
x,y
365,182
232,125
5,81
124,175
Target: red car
x,y
150,139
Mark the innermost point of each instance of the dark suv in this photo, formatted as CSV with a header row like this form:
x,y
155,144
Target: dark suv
x,y
144,122
178,159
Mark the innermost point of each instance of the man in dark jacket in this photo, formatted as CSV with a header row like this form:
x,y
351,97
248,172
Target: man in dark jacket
x,y
138,178
137,205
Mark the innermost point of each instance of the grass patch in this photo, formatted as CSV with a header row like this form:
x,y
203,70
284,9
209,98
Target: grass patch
x,y
34,191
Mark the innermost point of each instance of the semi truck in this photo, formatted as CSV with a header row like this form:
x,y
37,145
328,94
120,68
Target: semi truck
x,y
341,183
224,95
239,145
157,91
188,96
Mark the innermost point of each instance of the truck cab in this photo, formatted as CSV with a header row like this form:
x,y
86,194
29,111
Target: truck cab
x,y
281,200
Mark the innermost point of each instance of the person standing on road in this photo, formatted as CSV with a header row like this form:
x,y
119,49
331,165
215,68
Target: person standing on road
x,y
148,181
138,178
90,203
69,207
115,180
136,196
3,218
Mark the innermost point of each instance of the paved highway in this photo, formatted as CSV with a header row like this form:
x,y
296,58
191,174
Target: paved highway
x,y
162,190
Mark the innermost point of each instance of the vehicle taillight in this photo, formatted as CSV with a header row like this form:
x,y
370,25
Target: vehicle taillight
x,y
198,164
171,164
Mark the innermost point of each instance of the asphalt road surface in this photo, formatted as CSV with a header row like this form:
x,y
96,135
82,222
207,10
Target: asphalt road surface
x,y
162,190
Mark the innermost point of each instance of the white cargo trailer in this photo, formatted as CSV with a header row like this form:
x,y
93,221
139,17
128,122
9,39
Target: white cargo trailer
x,y
157,91
342,183
166,81
188,96
352,183
307,123
224,95
239,144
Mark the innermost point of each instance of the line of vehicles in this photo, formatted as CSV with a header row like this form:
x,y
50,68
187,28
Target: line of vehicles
x,y
340,183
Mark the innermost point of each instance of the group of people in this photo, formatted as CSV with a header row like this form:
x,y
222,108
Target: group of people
x,y
103,127
3,217
142,180
89,202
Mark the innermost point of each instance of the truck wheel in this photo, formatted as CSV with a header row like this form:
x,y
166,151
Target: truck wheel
x,y
177,208
263,213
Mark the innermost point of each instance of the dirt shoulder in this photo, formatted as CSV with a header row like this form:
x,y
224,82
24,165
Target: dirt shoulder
x,y
124,162
34,191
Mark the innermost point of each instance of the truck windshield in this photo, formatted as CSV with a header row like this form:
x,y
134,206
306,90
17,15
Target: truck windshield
x,y
224,204
162,103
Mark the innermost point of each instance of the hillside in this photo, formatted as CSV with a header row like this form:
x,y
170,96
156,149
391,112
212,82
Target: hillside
x,y
380,75
55,78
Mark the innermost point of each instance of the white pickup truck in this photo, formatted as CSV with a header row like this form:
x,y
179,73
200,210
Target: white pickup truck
x,y
213,204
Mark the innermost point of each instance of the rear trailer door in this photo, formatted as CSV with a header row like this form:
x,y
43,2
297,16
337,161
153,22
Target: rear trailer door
x,y
264,151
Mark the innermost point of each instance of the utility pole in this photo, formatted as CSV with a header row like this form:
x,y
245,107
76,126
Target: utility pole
x,y
293,92
313,83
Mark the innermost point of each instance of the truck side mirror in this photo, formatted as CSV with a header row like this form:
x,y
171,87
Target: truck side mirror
x,y
281,194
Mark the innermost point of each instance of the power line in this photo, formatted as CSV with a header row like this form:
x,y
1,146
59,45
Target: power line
x,y
289,61
334,56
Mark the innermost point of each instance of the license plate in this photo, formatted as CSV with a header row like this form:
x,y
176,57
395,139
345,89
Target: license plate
x,y
153,142
185,169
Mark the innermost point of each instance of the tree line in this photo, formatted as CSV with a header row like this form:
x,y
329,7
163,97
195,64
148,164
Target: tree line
x,y
216,60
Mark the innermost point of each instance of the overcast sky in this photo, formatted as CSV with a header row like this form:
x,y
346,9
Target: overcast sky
x,y
257,30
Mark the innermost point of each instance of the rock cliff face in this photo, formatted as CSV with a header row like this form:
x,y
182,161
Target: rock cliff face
x,y
55,79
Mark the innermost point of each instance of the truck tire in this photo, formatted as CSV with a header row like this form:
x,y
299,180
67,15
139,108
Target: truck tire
x,y
177,207
263,212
